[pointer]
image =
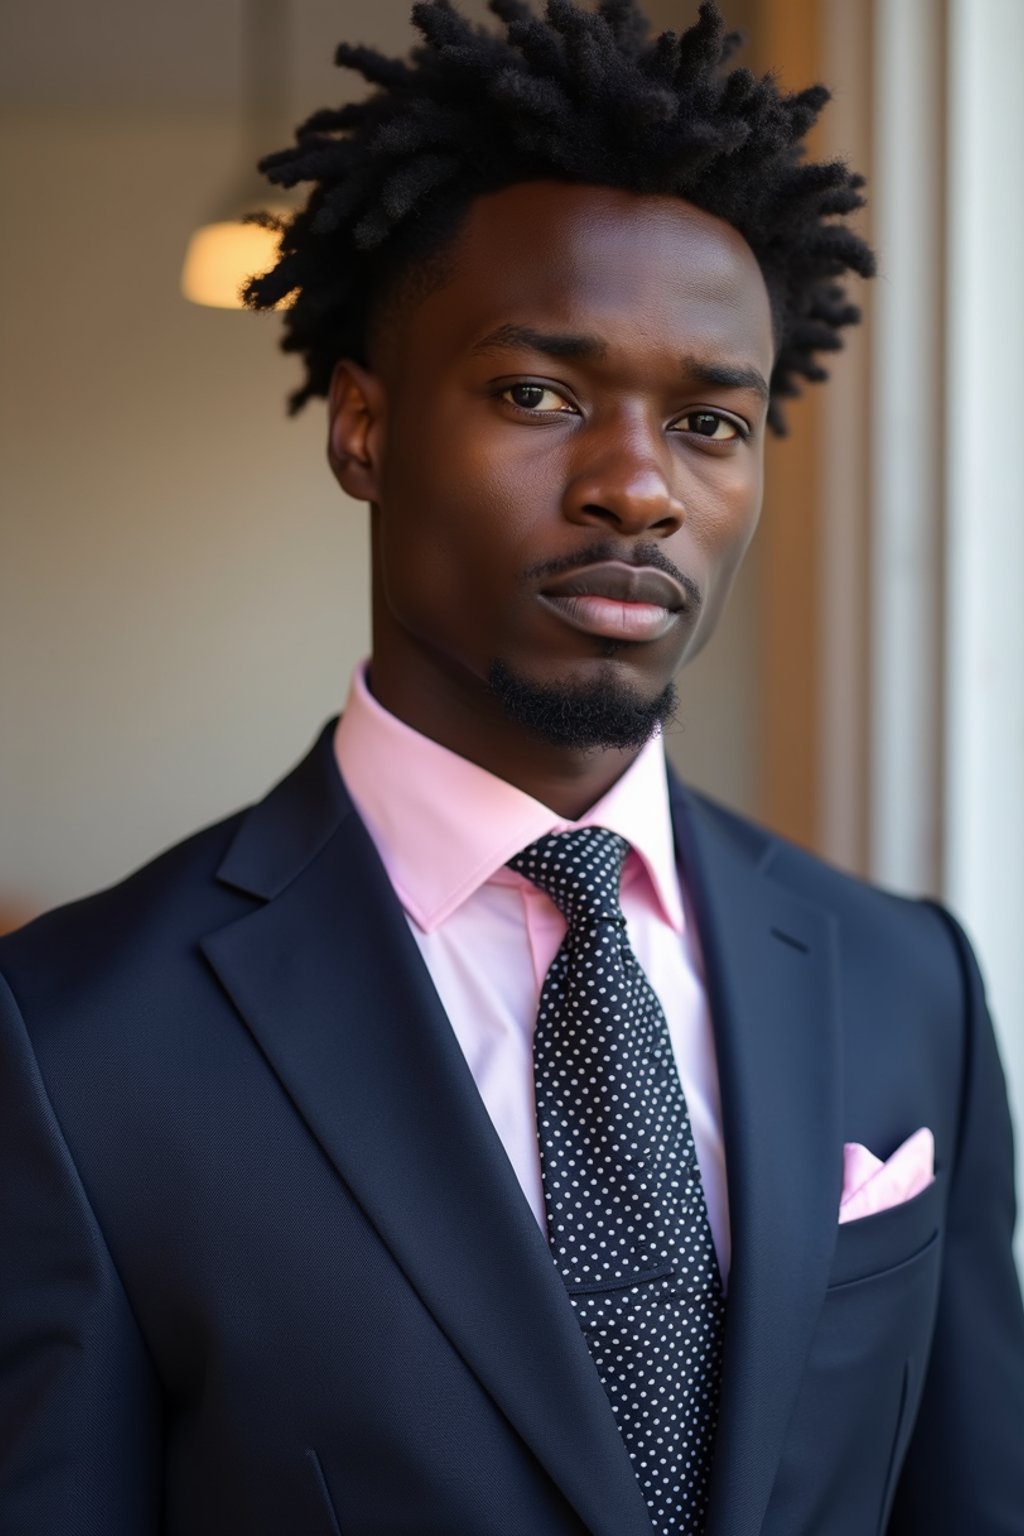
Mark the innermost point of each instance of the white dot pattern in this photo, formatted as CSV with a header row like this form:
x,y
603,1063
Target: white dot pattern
x,y
627,1219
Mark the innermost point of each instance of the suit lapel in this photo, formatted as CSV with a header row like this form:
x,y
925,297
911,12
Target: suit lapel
x,y
770,964
331,984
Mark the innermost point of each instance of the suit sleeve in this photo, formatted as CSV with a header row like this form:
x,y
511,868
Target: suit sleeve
x,y
964,1470
79,1406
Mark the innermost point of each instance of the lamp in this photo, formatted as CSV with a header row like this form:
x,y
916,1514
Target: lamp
x,y
223,252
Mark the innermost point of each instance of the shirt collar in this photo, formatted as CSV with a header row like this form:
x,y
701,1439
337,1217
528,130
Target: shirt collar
x,y
443,826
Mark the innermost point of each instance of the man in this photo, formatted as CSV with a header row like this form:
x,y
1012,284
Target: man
x,y
484,1135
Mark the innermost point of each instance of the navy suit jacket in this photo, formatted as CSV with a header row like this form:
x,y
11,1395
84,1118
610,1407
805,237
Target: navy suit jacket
x,y
265,1268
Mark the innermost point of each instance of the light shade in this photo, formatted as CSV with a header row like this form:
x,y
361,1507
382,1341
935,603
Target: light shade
x,y
223,255
223,252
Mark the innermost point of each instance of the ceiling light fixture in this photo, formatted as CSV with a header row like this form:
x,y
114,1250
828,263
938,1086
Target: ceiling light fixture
x,y
223,252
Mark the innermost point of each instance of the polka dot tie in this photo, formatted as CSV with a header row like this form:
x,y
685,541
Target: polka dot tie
x,y
627,1220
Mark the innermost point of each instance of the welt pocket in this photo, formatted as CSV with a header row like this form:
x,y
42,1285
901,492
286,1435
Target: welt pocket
x,y
875,1245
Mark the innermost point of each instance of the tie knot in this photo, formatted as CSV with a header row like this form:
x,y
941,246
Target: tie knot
x,y
580,871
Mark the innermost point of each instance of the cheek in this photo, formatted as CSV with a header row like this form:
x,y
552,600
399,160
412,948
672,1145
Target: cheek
x,y
723,509
454,530
478,486
722,522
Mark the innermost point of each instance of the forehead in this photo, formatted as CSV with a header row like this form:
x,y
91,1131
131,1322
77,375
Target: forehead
x,y
646,272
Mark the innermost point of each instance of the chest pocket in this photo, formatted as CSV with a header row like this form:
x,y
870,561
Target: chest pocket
x,y
872,1246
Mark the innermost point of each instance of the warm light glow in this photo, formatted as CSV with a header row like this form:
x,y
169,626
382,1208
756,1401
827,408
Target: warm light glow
x,y
221,257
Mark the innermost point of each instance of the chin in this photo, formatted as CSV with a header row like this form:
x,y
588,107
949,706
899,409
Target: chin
x,y
607,709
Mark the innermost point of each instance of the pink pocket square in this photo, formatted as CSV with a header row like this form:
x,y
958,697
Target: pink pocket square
x,y
869,1185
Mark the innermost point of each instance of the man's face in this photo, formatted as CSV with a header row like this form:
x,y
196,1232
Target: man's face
x,y
565,457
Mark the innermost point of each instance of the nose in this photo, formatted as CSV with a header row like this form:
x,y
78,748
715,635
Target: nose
x,y
625,483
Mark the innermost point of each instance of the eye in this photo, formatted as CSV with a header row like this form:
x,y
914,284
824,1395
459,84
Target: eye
x,y
712,426
536,397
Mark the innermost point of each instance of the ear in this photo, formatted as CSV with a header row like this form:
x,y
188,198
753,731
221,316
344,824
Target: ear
x,y
355,429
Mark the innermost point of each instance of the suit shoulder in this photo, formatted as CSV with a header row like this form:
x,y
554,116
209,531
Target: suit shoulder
x,y
137,944
875,920
904,974
154,913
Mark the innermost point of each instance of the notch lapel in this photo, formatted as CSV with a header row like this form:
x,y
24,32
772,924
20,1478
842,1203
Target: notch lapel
x,y
770,966
331,983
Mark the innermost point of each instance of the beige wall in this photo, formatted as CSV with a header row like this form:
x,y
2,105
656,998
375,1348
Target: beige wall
x,y
182,585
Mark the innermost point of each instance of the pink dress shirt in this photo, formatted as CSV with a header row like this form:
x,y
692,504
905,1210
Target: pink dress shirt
x,y
444,829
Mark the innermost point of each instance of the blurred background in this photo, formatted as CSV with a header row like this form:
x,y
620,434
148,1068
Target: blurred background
x,y
183,587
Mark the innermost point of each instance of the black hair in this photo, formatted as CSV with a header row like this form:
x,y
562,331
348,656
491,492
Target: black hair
x,y
582,96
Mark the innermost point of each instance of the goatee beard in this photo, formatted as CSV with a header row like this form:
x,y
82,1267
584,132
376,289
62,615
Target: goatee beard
x,y
589,717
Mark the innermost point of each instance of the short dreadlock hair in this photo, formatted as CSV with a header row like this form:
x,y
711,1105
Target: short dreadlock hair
x,y
579,96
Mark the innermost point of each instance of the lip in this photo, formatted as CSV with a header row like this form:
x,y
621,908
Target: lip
x,y
621,582
615,601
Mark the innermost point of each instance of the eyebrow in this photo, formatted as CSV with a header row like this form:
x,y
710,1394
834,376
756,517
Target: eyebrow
x,y
583,348
727,376
549,343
